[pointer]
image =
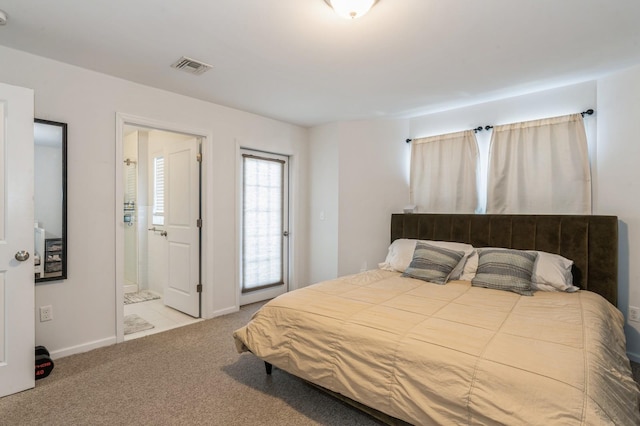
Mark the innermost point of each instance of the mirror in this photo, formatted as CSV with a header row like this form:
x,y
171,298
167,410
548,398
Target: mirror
x,y
50,200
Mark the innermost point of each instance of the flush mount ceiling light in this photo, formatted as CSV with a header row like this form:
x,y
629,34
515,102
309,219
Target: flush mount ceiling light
x,y
351,9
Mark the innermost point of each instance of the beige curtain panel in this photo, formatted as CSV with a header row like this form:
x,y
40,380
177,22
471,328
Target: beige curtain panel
x,y
540,167
443,173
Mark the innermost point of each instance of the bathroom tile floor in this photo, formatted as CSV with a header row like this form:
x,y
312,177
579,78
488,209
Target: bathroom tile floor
x,y
162,317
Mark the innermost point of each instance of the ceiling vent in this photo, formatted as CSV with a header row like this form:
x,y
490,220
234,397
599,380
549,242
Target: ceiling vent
x,y
191,65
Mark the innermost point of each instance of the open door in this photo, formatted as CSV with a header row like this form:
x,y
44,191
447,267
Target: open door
x,y
182,219
17,333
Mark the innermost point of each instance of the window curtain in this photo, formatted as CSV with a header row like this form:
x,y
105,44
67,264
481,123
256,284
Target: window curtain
x,y
540,167
443,173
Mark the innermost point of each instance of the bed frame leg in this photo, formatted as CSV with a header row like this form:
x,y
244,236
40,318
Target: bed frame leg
x,y
268,367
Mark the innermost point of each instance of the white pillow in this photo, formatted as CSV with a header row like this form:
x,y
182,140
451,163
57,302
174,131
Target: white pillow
x,y
401,253
470,267
552,272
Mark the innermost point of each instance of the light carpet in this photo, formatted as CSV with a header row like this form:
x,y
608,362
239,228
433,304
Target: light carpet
x,y
140,296
190,375
134,323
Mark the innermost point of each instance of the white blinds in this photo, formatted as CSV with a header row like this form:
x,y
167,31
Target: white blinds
x,y
540,167
443,173
262,222
158,191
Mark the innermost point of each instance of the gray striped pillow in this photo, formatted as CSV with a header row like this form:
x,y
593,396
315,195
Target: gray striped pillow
x,y
504,269
431,263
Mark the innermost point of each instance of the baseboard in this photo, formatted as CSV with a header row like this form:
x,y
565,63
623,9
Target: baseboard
x,y
86,347
633,357
225,311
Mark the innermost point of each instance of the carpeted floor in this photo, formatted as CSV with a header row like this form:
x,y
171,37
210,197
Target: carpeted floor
x,y
186,376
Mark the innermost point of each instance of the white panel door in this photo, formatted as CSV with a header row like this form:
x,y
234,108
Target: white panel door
x,y
17,333
182,211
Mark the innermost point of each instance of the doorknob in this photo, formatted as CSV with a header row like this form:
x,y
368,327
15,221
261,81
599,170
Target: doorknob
x,y
162,233
285,233
22,255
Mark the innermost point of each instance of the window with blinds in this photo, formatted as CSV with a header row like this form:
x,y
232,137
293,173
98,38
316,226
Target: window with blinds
x,y
158,191
263,222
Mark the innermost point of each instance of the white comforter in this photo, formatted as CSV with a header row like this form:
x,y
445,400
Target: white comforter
x,y
452,354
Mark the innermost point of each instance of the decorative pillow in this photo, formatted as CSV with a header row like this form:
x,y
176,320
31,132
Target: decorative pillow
x,y
431,263
504,269
552,272
401,251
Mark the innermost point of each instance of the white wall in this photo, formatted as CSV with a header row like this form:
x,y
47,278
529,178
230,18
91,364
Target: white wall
x,y
373,185
84,305
358,178
323,210
619,183
548,103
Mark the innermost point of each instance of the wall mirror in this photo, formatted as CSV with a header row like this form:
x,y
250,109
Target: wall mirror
x,y
50,200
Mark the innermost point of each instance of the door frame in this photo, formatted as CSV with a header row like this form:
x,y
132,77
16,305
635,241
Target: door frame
x,y
122,120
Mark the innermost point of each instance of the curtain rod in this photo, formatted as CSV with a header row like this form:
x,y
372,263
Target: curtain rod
x,y
480,128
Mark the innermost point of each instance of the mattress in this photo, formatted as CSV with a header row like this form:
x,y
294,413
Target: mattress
x,y
454,353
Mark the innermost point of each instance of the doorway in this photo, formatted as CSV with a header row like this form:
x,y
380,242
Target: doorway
x,y
160,221
264,225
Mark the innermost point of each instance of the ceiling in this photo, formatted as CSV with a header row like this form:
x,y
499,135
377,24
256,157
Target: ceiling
x,y
297,61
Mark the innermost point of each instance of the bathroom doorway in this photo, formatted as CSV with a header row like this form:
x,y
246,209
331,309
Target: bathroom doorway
x,y
161,226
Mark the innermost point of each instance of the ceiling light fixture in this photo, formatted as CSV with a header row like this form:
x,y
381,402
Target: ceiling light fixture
x,y
351,9
3,18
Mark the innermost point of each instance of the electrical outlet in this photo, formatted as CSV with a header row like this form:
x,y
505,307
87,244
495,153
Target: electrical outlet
x,y
634,314
46,313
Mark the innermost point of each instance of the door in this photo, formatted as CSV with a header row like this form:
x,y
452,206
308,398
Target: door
x,y
17,328
264,226
182,216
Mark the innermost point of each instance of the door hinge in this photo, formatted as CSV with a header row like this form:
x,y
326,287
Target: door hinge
x,y
199,288
199,157
199,223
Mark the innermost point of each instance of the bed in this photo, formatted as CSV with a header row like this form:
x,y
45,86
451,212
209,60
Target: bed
x,y
457,353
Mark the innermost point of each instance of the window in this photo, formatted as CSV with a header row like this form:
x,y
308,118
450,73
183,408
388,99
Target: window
x,y
158,191
533,167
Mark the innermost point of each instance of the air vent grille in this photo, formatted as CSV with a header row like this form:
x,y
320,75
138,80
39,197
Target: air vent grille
x,y
191,66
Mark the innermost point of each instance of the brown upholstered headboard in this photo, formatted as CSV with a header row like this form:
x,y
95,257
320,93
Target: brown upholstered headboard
x,y
590,241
